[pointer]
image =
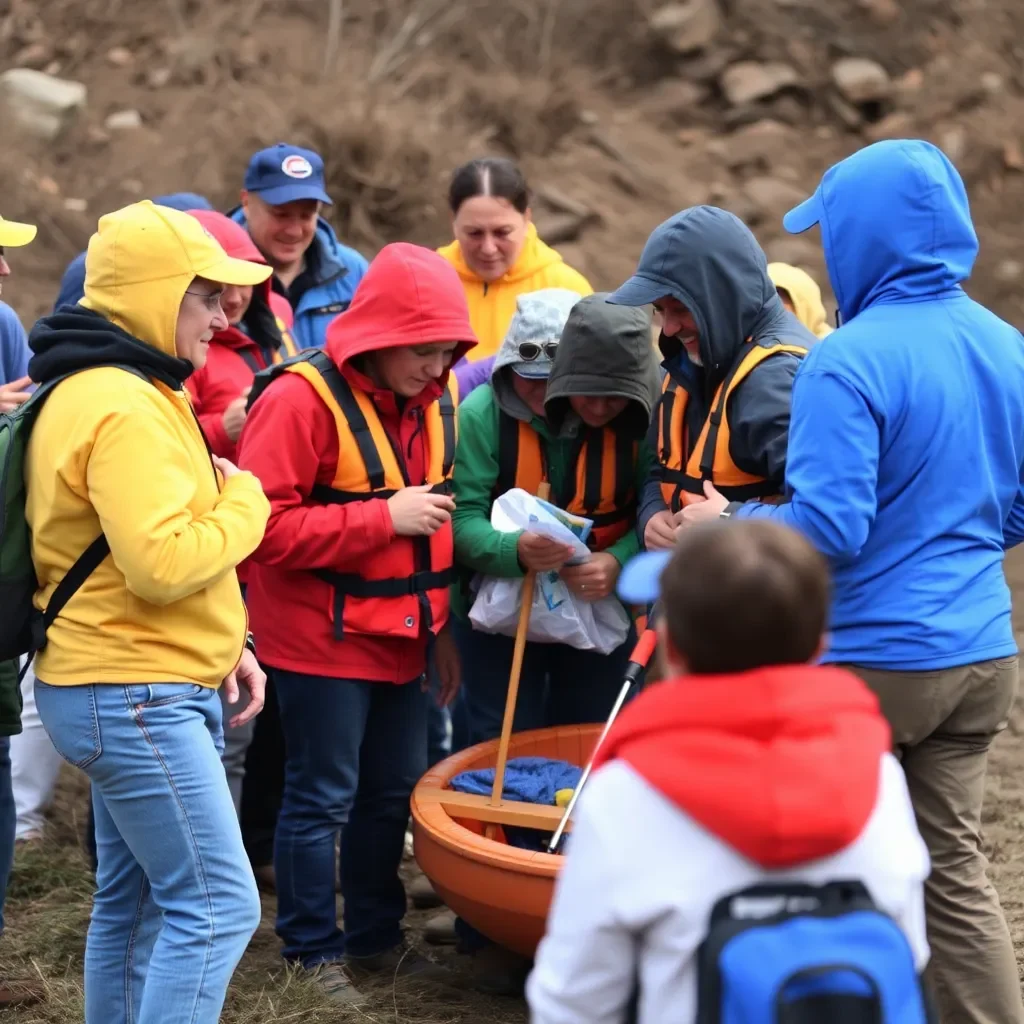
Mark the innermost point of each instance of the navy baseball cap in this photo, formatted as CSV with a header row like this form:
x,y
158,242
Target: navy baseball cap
x,y
282,174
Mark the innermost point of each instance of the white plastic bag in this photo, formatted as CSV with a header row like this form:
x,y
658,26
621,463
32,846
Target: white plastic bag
x,y
556,616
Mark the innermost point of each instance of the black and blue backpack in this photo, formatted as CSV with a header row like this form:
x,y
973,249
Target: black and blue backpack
x,y
795,953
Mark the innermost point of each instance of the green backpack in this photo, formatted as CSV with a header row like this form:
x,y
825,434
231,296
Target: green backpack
x,y
22,626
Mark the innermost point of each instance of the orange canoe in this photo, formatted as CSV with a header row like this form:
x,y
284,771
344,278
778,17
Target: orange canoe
x,y
501,890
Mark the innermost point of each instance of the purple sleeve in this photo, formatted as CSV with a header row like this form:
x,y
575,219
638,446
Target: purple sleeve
x,y
472,375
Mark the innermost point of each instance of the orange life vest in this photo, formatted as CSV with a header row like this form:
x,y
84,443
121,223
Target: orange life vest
x,y
682,478
603,487
404,586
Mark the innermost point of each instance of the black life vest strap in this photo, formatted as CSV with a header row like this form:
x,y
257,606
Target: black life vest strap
x,y
347,585
737,492
668,401
446,405
707,456
508,453
250,359
625,469
592,470
327,495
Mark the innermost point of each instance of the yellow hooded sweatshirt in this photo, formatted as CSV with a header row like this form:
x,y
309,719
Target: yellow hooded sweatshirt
x,y
112,452
492,304
805,295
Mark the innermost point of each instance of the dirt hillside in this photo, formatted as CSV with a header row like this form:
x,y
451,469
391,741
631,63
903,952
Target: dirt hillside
x,y
623,111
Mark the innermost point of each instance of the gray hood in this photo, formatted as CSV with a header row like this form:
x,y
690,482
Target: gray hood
x,y
709,260
539,319
605,351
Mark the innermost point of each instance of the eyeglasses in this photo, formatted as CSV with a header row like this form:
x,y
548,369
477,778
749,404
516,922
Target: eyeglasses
x,y
531,350
211,300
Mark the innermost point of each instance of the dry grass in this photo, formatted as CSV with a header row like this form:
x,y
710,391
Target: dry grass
x,y
47,913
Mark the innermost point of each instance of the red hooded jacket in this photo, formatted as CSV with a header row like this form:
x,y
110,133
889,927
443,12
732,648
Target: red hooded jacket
x,y
781,763
229,363
409,296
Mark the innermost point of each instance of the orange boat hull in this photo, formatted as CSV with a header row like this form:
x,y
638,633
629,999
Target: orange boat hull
x,y
502,891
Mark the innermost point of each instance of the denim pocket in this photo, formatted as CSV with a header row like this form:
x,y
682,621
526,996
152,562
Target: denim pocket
x,y
71,720
158,695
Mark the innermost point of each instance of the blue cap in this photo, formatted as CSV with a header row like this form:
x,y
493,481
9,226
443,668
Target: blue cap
x,y
803,217
640,580
282,174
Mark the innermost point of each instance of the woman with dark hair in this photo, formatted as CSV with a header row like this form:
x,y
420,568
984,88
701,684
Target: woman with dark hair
x,y
496,250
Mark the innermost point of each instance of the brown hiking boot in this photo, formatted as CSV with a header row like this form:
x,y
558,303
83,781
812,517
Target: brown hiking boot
x,y
422,894
19,993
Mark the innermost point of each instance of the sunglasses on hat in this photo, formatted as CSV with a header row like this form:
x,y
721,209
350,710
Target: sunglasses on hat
x,y
531,350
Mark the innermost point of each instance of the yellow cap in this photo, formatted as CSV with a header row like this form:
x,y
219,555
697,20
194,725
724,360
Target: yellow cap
x,y
145,242
142,259
13,234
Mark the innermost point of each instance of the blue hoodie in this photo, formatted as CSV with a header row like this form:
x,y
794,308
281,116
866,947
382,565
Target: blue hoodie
x,y
340,269
907,435
14,350
72,284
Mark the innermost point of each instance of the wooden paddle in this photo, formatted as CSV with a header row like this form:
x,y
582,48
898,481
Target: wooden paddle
x,y
543,491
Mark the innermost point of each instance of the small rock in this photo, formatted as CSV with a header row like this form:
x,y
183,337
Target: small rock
x,y
748,81
48,185
40,103
120,57
35,55
672,100
898,125
590,117
824,131
123,121
861,80
1013,158
1009,271
953,143
76,205
706,66
132,185
687,27
759,143
561,227
884,12
846,112
689,136
97,135
53,68
912,80
157,78
992,83
770,195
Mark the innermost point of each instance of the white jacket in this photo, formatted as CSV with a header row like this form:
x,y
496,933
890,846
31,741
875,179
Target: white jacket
x,y
638,865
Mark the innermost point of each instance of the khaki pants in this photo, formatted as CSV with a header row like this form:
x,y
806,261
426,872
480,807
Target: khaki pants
x,y
943,724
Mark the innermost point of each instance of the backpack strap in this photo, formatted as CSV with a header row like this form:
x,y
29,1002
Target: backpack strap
x,y
446,404
89,560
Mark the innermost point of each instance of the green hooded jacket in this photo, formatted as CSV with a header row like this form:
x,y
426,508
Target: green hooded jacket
x,y
604,350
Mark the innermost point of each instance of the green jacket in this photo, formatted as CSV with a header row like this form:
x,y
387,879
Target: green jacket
x,y
10,699
478,546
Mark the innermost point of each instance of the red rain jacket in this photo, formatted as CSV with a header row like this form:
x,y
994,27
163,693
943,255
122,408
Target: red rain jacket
x,y
409,296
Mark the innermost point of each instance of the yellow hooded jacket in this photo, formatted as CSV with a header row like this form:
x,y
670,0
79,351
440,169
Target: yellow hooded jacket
x,y
805,294
492,304
113,452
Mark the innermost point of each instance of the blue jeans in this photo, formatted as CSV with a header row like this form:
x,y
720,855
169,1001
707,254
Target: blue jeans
x,y
176,903
354,751
8,820
559,684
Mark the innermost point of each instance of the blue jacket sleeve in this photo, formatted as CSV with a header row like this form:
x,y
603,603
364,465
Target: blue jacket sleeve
x,y
832,467
14,350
